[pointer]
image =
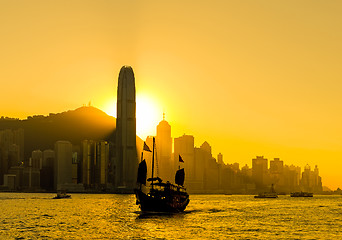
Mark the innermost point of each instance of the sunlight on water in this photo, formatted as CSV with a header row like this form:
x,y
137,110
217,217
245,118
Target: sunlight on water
x,y
99,216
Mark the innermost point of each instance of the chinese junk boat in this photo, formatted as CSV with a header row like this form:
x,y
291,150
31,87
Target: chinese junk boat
x,y
160,196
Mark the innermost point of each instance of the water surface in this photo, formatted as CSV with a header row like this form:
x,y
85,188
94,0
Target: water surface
x,y
111,216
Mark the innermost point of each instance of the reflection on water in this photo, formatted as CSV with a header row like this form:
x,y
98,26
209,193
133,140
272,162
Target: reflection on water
x,y
100,216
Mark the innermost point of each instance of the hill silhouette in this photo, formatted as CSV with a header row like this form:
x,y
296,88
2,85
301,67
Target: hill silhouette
x,y
41,132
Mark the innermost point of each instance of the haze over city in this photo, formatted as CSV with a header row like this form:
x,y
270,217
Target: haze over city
x,y
253,79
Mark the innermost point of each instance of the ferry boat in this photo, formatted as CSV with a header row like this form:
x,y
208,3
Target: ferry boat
x,y
271,194
61,195
301,194
160,196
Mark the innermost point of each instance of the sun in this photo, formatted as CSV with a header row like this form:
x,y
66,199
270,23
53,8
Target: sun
x,y
148,114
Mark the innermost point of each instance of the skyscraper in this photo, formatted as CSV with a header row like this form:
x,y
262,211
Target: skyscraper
x,y
260,171
63,165
185,147
164,150
126,163
95,163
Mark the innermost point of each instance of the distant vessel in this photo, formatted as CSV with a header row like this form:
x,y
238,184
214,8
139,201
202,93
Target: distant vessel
x,y
62,195
301,194
159,196
271,194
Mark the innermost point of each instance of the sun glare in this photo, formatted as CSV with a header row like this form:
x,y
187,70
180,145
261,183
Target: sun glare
x,y
148,116
110,108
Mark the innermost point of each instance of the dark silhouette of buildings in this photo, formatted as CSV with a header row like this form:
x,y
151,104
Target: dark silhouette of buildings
x,y
311,181
91,158
95,164
205,174
11,150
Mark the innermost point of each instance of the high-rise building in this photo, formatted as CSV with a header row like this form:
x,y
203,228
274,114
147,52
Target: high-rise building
x,y
220,159
95,163
31,176
46,173
276,173
14,156
37,159
164,150
11,150
291,178
276,166
48,158
199,170
18,138
184,146
212,175
311,181
19,175
88,149
63,165
260,171
101,164
126,162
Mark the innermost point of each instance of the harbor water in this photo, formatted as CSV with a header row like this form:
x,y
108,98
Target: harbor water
x,y
112,216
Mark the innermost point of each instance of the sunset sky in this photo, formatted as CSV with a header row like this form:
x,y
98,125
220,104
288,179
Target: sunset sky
x,y
249,77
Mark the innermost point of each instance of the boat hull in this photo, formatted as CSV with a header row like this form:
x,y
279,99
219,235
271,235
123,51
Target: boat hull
x,y
58,197
265,196
151,203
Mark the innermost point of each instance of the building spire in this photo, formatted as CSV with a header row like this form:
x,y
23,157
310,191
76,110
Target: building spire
x,y
163,116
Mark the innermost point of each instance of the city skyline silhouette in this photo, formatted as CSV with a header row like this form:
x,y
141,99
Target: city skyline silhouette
x,y
85,125
252,80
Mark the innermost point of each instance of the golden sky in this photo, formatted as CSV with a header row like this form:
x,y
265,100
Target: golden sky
x,y
250,77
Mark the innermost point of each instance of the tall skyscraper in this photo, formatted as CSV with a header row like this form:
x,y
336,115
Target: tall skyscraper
x,y
63,165
185,147
88,162
260,171
37,159
164,150
220,159
126,163
95,163
276,166
46,173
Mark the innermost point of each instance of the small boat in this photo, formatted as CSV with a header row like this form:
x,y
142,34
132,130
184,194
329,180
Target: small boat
x,y
160,196
271,194
301,194
61,195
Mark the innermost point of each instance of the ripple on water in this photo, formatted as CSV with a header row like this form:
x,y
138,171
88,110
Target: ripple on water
x,y
218,217
215,210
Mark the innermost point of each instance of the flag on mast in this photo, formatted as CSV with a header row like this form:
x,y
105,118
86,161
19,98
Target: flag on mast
x,y
146,148
180,159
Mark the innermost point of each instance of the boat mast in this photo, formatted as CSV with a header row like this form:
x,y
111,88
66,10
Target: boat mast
x,y
153,161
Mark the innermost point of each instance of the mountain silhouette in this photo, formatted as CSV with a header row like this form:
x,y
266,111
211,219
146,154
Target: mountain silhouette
x,y
41,132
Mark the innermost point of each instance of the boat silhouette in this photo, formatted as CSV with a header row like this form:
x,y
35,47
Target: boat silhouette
x,y
62,194
271,194
160,196
301,194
